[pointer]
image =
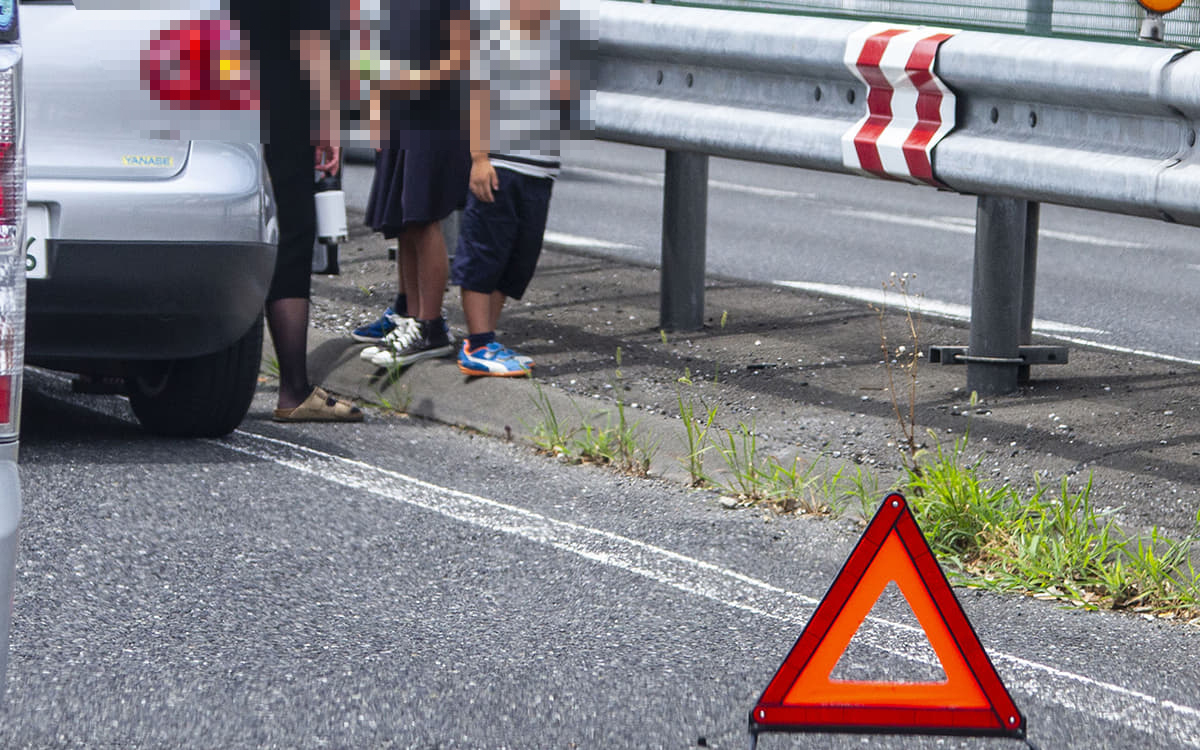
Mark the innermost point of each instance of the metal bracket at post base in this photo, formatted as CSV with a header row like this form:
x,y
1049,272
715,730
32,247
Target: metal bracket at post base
x,y
1029,355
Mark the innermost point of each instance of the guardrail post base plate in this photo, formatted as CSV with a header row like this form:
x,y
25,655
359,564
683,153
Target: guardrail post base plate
x,y
1027,355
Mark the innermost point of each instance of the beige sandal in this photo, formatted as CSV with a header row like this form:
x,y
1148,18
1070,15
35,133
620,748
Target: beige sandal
x,y
320,407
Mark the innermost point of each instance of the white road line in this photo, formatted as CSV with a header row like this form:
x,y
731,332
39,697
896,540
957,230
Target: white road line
x,y
575,241
955,224
762,192
1128,350
960,225
924,306
1065,332
1095,698
657,180
628,178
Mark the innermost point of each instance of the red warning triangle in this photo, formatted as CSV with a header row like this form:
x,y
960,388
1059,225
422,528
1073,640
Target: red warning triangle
x,y
803,697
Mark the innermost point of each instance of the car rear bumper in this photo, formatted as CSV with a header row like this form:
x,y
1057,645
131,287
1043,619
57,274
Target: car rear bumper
x,y
220,194
110,300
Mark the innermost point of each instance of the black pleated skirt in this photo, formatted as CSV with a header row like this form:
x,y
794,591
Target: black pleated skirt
x,y
415,185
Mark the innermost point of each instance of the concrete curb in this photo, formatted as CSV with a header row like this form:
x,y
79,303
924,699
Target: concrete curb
x,y
503,408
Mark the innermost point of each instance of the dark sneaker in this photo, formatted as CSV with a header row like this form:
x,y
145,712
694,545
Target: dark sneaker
x,y
420,344
373,333
404,329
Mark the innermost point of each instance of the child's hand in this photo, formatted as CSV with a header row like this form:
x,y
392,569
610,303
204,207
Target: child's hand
x,y
328,159
483,178
561,87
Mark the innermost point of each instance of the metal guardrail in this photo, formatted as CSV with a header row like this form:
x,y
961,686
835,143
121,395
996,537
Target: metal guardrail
x,y
1089,124
1117,20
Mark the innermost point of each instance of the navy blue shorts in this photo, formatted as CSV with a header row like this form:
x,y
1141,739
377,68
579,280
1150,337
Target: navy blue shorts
x,y
499,242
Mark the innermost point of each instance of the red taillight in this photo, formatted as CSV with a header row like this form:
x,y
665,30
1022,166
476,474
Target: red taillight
x,y
6,398
199,65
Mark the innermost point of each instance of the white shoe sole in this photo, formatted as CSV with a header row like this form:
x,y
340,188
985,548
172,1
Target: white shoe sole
x,y
369,353
391,359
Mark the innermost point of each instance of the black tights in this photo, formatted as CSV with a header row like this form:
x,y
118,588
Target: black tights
x,y
287,320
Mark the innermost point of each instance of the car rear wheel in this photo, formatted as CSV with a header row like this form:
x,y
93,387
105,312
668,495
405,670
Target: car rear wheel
x,y
203,396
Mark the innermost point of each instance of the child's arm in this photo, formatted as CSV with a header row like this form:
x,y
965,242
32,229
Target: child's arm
x,y
375,115
483,175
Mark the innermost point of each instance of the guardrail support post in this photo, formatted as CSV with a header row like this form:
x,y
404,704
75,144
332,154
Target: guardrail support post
x,y
1039,16
685,223
1033,212
1001,227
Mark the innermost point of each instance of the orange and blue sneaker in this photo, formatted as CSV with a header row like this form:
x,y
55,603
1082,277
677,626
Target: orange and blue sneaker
x,y
494,359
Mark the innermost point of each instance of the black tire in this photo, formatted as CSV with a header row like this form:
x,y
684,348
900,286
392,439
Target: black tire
x,y
202,396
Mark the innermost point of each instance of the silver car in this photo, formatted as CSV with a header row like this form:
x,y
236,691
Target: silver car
x,y
151,231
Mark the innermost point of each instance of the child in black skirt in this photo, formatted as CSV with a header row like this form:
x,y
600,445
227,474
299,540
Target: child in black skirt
x,y
421,170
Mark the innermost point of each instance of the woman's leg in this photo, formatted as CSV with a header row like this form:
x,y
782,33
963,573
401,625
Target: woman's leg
x,y
287,320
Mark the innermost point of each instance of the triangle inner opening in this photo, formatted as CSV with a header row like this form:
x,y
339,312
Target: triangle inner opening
x,y
875,655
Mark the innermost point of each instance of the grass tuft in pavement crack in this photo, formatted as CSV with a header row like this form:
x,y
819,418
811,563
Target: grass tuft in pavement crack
x,y
696,430
753,478
621,444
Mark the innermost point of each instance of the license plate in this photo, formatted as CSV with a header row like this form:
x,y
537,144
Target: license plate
x,y
37,231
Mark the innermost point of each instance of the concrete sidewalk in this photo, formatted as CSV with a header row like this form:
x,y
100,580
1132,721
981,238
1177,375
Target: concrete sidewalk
x,y
805,374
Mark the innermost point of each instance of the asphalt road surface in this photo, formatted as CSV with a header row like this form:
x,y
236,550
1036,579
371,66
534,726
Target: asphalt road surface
x,y
401,584
1110,280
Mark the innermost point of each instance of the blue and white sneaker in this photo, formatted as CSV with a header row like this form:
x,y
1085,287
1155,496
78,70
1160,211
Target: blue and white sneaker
x,y
495,360
373,333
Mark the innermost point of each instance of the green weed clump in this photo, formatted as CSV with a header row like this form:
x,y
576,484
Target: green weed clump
x,y
269,369
754,478
787,486
618,443
550,434
1053,543
696,430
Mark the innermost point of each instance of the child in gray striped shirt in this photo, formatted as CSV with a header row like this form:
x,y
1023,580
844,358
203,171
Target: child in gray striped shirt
x,y
522,84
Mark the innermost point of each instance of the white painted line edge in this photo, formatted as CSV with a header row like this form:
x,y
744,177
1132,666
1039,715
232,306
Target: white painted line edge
x,y
951,311
922,305
657,181
962,225
575,241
